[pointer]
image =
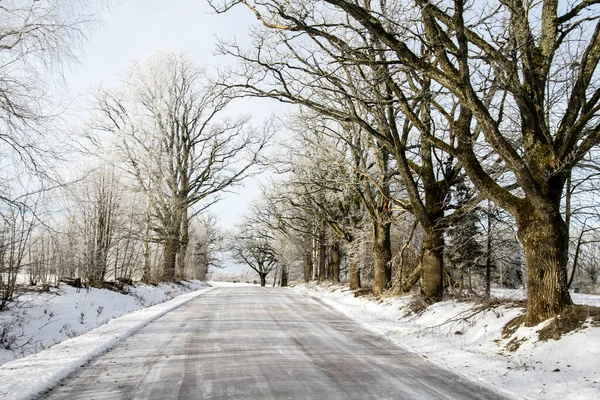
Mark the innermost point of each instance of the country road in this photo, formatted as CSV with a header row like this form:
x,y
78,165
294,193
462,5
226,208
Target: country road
x,y
261,343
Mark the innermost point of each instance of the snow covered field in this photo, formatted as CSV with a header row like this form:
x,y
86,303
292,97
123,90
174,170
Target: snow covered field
x,y
453,335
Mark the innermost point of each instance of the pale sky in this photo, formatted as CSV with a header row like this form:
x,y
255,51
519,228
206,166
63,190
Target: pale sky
x,y
134,28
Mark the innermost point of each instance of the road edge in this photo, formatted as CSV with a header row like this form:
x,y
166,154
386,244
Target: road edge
x,y
334,306
45,369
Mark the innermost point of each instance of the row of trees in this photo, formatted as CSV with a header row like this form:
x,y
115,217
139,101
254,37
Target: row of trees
x,y
155,152
440,105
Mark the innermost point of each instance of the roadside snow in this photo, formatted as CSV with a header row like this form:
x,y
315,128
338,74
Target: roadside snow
x,y
26,377
36,321
578,298
451,334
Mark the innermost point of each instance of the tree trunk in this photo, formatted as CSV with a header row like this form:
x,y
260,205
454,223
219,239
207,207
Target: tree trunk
x,y
146,273
382,255
202,272
334,261
354,272
263,279
183,246
314,259
432,263
488,253
322,258
307,266
284,276
170,256
545,243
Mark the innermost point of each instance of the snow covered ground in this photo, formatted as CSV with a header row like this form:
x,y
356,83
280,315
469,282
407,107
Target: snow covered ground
x,y
449,333
36,321
26,377
453,335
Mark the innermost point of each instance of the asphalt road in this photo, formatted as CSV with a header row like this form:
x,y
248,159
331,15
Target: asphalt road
x,y
261,343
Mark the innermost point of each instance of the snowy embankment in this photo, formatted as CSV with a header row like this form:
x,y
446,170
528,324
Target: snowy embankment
x,y
37,321
467,338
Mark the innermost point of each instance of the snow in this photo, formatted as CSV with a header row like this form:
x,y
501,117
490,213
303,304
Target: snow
x,y
41,320
450,333
36,321
578,298
229,284
453,335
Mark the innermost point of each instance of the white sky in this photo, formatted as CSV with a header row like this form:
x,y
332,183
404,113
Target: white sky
x,y
134,28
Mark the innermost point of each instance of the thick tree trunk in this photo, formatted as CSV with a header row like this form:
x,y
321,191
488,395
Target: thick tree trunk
x,y
322,259
432,264
354,271
183,246
334,262
315,259
284,276
488,253
382,255
170,248
202,272
545,243
146,273
307,266
263,279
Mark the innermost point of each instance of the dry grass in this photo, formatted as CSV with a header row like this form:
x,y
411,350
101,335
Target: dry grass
x,y
418,304
511,326
363,292
492,303
514,344
571,319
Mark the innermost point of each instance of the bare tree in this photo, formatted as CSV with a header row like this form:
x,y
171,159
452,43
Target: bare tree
x,y
179,148
17,223
512,79
36,39
99,207
346,76
254,245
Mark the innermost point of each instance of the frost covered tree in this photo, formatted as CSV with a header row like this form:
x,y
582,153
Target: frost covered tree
x,y
37,39
180,146
254,244
515,78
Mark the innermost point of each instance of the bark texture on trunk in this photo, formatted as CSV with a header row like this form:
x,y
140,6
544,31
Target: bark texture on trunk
x,y
146,276
284,276
263,279
382,255
307,266
545,243
432,264
334,261
169,258
183,247
322,260
354,272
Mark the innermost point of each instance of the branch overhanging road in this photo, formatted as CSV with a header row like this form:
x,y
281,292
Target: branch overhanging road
x,y
261,343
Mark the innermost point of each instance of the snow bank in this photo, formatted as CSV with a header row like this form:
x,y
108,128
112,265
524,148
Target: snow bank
x,y
36,321
469,341
28,376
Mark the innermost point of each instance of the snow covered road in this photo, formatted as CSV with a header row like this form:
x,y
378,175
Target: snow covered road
x,y
252,342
